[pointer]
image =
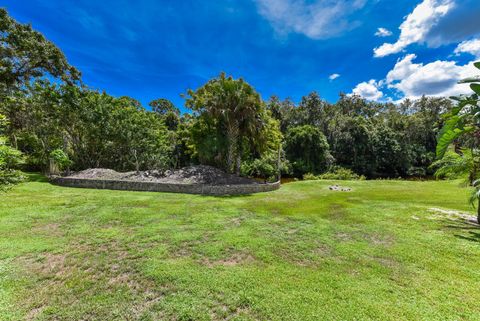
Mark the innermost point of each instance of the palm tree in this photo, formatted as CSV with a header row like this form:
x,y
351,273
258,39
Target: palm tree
x,y
237,106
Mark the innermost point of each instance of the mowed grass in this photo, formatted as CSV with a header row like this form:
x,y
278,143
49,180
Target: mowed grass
x,y
301,253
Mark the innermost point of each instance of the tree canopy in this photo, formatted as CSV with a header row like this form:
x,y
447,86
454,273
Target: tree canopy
x,y
26,54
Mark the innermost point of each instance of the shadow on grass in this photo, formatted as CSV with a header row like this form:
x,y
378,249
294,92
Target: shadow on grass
x,y
36,177
228,196
468,230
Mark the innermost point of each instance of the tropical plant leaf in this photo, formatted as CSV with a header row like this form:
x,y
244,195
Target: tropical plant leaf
x,y
477,64
470,80
452,129
475,88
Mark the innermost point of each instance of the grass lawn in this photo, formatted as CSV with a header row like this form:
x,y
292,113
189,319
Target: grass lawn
x,y
301,253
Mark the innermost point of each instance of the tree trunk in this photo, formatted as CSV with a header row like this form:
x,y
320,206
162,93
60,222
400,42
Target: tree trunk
x,y
232,134
52,168
15,142
478,211
279,162
239,158
137,164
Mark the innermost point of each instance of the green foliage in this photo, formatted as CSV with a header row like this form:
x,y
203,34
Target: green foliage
x,y
462,119
373,139
10,160
265,167
335,173
475,198
94,129
60,159
27,54
231,118
454,165
268,166
167,111
308,150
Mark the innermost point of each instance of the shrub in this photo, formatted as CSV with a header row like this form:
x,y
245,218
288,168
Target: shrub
x,y
265,167
307,149
310,177
59,159
335,173
10,158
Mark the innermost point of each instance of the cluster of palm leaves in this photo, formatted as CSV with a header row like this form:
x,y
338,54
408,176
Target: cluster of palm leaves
x,y
237,107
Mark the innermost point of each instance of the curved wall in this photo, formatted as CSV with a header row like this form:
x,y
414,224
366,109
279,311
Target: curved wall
x,y
239,189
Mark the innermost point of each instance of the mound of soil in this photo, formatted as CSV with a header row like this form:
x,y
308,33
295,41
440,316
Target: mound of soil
x,y
199,174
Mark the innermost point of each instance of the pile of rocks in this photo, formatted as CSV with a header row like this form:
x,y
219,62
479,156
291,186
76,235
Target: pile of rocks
x,y
198,174
339,188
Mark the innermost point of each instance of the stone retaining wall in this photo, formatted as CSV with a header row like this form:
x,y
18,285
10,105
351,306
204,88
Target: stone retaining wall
x,y
162,187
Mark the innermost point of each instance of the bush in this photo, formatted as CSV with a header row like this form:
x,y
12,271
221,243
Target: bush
x,y
60,160
310,177
265,167
335,173
10,158
306,147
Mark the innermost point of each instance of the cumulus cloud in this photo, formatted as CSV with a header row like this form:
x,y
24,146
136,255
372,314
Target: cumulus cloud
x,y
460,23
416,25
470,46
383,32
333,76
369,90
438,78
319,19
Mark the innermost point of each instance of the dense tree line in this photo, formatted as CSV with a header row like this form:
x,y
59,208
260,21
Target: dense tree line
x,y
372,139
59,123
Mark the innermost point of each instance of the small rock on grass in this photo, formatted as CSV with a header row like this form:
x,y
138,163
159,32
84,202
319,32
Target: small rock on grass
x,y
339,188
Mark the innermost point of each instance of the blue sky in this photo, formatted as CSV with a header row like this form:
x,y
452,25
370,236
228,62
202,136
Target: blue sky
x,y
151,49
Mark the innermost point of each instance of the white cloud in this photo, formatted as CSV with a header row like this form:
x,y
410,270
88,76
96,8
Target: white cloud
x,y
319,19
383,32
470,46
369,90
438,78
333,76
460,23
416,25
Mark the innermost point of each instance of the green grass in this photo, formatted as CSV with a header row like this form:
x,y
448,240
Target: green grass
x,y
300,253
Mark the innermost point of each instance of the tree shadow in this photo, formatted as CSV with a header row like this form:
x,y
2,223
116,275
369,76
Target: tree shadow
x,y
468,230
229,196
36,177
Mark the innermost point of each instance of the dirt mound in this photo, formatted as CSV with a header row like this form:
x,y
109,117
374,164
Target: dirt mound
x,y
97,173
199,174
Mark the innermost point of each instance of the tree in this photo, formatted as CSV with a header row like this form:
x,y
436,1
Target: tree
x,y
308,150
10,159
350,143
59,161
167,111
26,54
387,152
283,111
235,109
266,157
162,106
